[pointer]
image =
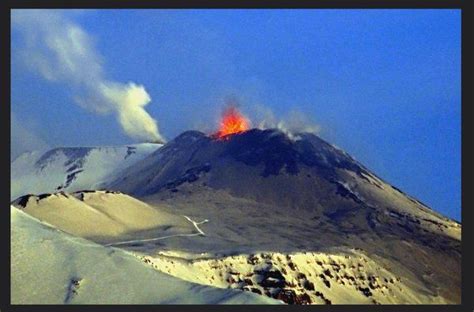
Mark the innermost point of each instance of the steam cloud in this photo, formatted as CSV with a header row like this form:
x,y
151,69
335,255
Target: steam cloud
x,y
292,123
61,51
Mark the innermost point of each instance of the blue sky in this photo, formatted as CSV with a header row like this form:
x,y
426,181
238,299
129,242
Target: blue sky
x,y
384,85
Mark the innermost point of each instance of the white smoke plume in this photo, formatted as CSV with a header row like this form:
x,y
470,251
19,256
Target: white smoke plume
x,y
291,123
61,51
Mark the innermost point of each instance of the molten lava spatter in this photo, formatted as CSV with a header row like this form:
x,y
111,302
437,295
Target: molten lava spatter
x,y
232,122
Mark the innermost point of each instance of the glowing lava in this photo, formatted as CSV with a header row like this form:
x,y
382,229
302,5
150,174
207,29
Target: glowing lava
x,y
232,122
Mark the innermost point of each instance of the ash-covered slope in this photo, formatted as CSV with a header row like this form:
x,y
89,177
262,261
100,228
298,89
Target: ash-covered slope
x,y
264,191
72,168
52,267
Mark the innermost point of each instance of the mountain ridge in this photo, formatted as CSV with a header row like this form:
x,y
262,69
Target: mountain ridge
x,y
72,168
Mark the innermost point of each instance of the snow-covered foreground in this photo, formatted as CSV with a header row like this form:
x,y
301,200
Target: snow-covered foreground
x,y
339,276
181,241
49,266
72,168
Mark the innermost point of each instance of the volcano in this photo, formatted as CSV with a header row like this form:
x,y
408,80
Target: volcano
x,y
289,217
265,191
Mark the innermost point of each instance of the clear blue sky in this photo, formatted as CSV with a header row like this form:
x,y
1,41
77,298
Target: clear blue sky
x,y
384,85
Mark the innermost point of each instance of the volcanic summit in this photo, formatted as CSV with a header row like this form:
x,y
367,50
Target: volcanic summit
x,y
268,191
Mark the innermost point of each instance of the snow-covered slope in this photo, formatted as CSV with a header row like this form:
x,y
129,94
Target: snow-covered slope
x,y
103,216
72,168
51,267
339,276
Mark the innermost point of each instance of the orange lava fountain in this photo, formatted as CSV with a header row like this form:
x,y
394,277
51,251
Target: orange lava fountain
x,y
232,122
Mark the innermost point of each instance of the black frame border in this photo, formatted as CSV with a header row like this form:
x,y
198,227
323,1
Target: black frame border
x,y
467,83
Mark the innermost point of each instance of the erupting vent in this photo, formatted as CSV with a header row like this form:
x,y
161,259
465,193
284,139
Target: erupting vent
x,y
232,122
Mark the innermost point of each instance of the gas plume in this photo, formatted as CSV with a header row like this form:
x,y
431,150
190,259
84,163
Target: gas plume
x,y
61,51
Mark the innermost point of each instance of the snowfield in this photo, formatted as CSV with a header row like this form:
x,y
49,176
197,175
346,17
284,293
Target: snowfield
x,y
49,266
72,168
